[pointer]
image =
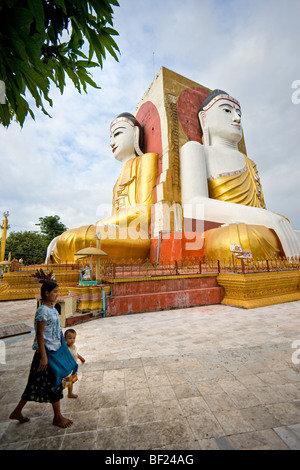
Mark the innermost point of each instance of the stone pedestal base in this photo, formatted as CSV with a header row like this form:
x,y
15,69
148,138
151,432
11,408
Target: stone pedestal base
x,y
260,289
89,297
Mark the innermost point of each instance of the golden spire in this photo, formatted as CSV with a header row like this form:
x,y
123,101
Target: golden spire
x,y
4,227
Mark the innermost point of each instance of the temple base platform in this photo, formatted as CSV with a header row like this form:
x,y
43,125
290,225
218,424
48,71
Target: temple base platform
x,y
21,285
161,293
151,290
260,289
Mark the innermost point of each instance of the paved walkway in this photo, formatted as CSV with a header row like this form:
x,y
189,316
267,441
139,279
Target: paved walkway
x,y
213,377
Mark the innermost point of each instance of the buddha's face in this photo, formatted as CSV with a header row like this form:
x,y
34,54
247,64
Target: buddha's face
x,y
122,140
223,119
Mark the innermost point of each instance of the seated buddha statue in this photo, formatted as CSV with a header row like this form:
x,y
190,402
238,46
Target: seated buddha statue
x,y
124,234
225,184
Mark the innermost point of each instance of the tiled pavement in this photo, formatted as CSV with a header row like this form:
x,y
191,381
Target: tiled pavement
x,y
212,377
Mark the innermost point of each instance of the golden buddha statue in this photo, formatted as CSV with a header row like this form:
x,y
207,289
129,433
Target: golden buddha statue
x,y
223,183
124,234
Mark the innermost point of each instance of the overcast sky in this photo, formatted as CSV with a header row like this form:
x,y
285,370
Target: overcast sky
x,y
64,165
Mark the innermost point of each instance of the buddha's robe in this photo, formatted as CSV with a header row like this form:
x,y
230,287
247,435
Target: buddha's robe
x,y
240,187
132,200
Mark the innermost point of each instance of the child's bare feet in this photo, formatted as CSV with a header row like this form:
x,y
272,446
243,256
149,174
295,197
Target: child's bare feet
x,y
62,422
72,395
19,417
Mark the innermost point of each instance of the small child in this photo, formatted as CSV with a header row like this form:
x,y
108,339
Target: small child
x,y
70,337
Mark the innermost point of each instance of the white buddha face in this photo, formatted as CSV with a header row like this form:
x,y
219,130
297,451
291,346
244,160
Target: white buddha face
x,y
122,140
223,120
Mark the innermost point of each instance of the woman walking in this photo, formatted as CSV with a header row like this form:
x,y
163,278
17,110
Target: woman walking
x,y
42,382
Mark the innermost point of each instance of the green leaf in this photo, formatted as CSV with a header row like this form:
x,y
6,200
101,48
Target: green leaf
x,y
43,40
85,77
86,63
72,75
95,45
110,31
33,48
59,78
61,3
21,17
37,10
5,114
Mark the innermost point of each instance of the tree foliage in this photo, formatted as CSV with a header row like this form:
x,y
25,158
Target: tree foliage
x,y
51,227
42,40
30,246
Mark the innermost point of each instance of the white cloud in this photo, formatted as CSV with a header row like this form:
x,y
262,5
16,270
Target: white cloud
x,y
64,165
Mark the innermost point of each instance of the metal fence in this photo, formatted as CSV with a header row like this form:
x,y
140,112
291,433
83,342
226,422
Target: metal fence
x,y
127,269
15,266
137,269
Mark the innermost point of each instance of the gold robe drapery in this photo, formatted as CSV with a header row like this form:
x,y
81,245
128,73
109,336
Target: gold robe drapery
x,y
240,187
132,200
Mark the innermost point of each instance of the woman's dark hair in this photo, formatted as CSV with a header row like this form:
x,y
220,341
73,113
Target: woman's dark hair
x,y
47,286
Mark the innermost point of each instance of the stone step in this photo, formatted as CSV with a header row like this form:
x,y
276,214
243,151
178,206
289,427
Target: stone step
x,y
163,285
79,317
154,301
